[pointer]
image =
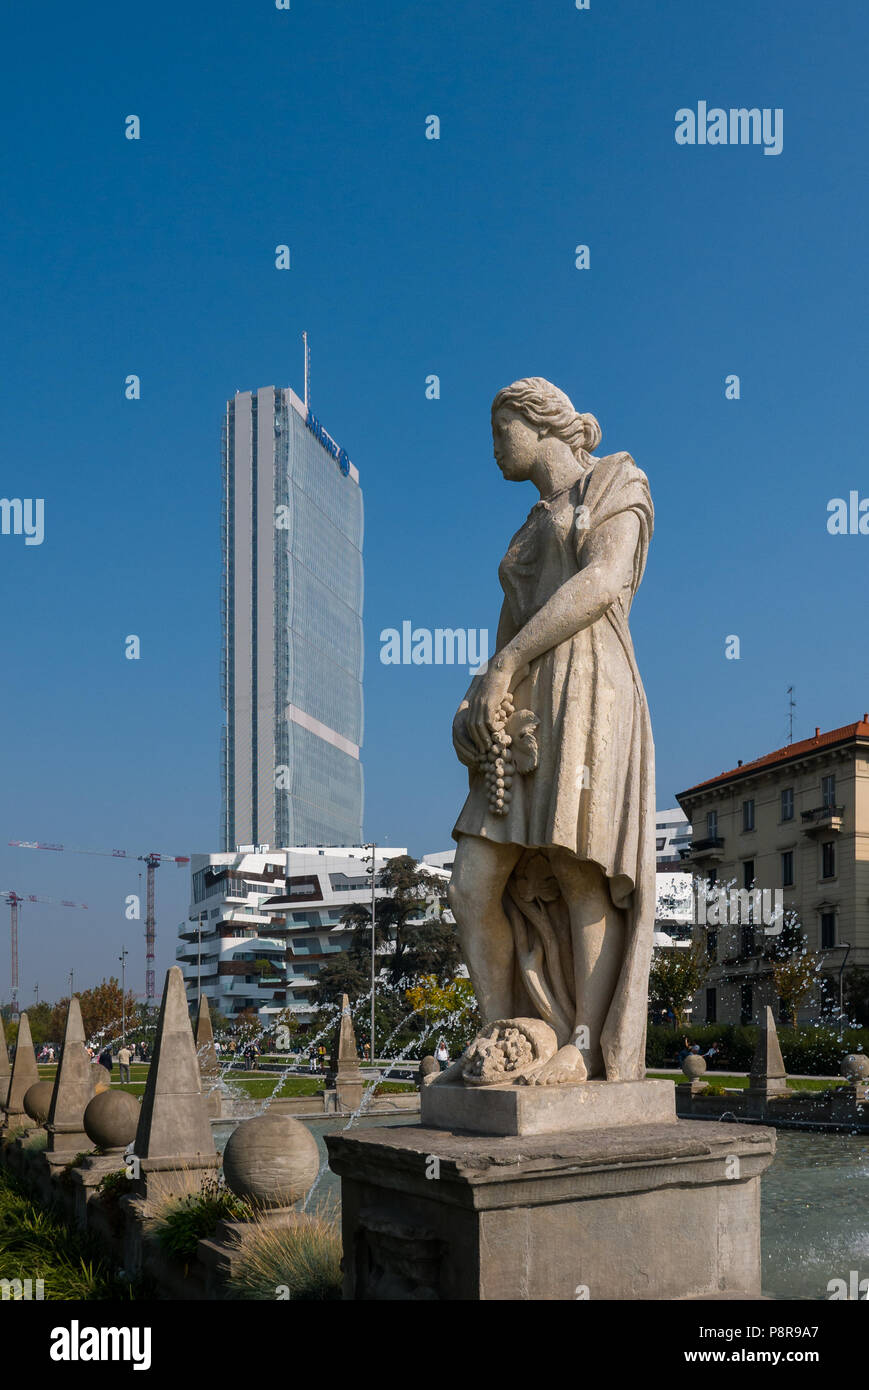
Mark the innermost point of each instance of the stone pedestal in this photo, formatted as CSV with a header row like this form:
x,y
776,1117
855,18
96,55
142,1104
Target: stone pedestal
x,y
85,1181
221,1255
344,1099
67,1140
506,1110
47,1168
344,1075
654,1211
686,1089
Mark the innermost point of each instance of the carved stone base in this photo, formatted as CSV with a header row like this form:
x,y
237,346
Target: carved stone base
x,y
648,1212
514,1110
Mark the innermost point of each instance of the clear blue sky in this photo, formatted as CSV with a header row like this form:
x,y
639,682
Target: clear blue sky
x,y
410,257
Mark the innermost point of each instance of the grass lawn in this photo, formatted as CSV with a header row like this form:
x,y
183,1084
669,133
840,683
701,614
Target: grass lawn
x,y
257,1084
741,1082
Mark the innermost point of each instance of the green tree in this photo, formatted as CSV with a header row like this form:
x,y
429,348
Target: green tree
x,y
39,1017
101,1012
412,892
246,1025
432,949
265,967
676,975
346,973
795,977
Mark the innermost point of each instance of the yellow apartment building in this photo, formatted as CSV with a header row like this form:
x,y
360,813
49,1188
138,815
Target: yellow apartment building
x,y
796,820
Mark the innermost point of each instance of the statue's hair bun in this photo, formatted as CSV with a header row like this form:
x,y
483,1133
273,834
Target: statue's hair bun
x,y
551,412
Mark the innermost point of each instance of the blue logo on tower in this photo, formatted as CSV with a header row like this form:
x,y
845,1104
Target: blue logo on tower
x,y
339,455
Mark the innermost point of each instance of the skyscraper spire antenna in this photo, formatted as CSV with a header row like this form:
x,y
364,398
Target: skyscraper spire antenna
x,y
307,371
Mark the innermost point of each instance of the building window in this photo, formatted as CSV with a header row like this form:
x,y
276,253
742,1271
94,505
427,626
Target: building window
x,y
787,804
712,825
711,876
787,869
711,1006
712,950
828,789
747,873
828,930
746,945
746,1004
298,887
828,859
748,815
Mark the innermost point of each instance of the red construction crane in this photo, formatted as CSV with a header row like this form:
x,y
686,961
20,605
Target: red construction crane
x,y
153,862
15,900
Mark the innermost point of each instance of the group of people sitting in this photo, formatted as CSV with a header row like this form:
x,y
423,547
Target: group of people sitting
x,y
712,1053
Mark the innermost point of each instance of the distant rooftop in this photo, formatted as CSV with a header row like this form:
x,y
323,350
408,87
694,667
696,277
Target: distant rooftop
x,y
792,750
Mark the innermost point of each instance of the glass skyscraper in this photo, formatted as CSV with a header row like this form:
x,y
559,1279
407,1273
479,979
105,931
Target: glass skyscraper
x,y
291,615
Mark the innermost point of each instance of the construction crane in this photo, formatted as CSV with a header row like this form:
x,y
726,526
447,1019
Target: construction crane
x,y
15,900
152,862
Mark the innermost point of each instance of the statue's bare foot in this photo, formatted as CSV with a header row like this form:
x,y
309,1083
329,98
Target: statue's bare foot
x,y
566,1065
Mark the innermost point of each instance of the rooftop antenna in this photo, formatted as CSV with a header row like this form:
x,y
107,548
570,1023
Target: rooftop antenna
x,y
307,370
792,704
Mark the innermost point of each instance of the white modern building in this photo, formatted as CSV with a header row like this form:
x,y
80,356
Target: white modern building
x,y
673,905
672,835
284,906
291,612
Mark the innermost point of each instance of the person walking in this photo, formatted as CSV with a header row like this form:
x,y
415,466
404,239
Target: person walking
x,y
442,1054
106,1060
124,1059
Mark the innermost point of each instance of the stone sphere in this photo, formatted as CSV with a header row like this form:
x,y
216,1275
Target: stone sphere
x,y
37,1100
271,1159
428,1065
694,1065
111,1119
855,1067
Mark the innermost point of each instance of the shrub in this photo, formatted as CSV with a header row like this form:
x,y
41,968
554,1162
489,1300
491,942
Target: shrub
x,y
36,1243
304,1259
114,1184
808,1051
183,1222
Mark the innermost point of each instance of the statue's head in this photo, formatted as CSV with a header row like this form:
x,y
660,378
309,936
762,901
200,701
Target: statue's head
x,y
530,411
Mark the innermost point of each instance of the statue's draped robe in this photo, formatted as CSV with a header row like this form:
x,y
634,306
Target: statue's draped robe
x,y
592,792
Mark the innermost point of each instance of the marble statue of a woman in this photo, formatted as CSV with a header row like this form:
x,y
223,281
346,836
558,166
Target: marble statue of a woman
x,y
553,887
